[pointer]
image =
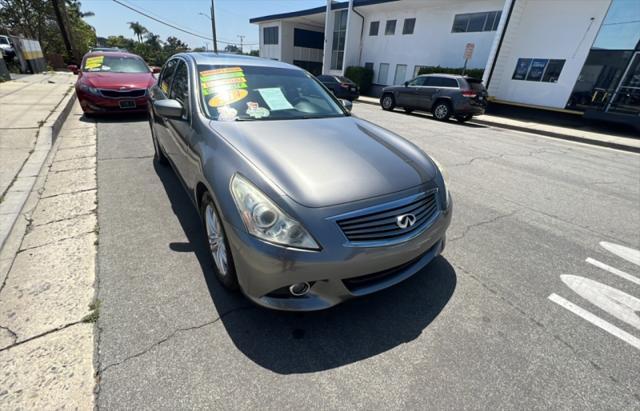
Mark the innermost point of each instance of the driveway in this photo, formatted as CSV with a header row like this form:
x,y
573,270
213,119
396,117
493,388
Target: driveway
x,y
475,329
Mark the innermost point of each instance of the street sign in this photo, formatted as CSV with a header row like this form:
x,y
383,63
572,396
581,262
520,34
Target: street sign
x,y
468,51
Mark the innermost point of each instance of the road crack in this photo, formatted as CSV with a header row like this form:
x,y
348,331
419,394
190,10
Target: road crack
x,y
35,337
170,336
481,223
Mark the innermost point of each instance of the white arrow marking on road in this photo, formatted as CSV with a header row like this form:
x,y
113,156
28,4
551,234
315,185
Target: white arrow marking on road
x,y
617,303
597,321
629,254
613,270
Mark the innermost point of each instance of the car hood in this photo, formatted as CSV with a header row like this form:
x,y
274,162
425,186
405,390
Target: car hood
x,y
324,162
118,80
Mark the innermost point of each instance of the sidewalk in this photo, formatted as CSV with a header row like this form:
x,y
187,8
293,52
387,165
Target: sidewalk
x,y
47,276
31,111
550,130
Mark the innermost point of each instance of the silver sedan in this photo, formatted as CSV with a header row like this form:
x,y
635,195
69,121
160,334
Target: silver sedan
x,y
304,206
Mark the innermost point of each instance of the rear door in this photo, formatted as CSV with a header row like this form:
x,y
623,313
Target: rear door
x,y
424,99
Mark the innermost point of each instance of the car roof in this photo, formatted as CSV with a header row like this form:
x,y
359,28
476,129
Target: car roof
x,y
111,53
227,59
454,76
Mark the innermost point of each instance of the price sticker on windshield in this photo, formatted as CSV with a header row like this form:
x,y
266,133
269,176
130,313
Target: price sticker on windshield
x,y
93,62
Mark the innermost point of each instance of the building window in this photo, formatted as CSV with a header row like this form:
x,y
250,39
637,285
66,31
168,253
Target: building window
x,y
401,74
474,22
409,26
373,28
390,28
368,66
416,70
339,35
554,68
383,73
270,35
538,70
308,39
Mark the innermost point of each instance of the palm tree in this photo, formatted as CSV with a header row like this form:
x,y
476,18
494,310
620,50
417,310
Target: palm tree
x,y
138,29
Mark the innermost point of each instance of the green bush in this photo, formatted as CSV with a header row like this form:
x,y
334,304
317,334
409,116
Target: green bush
x,y
475,73
362,76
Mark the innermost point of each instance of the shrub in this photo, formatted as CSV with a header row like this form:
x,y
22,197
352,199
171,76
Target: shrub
x,y
475,73
362,76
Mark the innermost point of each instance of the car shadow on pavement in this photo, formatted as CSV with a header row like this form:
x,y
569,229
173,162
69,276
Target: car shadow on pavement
x,y
290,343
115,118
452,120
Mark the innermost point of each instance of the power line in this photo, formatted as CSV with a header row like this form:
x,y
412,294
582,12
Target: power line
x,y
169,24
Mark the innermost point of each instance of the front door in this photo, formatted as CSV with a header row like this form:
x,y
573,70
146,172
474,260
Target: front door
x,y
626,99
408,95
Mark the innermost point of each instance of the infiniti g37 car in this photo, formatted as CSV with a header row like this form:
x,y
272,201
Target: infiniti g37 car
x,y
303,205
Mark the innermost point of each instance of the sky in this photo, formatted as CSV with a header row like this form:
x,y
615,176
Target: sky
x,y
232,18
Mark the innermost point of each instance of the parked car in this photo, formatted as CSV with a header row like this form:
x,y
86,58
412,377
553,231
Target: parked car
x,y
8,52
303,205
341,86
113,82
444,95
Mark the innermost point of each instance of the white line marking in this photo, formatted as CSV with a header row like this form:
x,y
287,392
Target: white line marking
x,y
613,270
597,321
629,254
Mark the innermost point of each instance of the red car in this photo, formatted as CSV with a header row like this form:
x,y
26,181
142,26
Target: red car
x,y
113,82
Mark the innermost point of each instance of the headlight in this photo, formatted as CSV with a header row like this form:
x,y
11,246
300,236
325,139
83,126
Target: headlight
x,y
265,220
89,89
445,180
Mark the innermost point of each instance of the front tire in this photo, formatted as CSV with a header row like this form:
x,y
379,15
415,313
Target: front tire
x,y
388,102
442,111
217,240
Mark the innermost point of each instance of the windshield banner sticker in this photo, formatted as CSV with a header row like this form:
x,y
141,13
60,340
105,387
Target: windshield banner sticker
x,y
275,99
229,78
225,97
226,113
255,111
93,62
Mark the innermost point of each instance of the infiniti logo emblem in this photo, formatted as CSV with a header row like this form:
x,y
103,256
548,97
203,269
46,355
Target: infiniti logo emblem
x,y
405,220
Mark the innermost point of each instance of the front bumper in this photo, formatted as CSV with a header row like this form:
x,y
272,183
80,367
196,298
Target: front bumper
x,y
94,104
336,274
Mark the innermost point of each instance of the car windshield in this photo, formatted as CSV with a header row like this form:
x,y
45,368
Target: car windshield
x,y
4,40
115,64
248,93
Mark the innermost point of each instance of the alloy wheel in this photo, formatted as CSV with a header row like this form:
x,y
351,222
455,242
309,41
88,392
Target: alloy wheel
x,y
441,111
387,102
215,235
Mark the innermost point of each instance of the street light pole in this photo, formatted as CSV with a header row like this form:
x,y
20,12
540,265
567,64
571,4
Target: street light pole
x,y
213,27
241,41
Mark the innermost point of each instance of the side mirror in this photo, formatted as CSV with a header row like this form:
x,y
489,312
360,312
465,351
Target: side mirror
x,y
347,104
156,69
73,68
406,84
168,108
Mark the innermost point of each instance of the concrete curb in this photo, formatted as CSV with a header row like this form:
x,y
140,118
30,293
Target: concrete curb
x,y
601,143
17,194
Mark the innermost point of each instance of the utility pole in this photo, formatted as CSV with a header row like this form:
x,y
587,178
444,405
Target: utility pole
x,y
241,41
213,27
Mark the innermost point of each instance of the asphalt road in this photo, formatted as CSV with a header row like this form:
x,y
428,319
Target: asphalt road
x,y
475,329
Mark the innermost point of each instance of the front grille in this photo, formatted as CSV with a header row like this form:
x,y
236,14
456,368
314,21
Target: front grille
x,y
357,283
124,93
381,223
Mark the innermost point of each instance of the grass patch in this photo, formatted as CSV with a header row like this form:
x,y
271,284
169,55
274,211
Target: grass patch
x,y
93,316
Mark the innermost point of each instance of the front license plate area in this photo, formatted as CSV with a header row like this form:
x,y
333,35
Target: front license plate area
x,y
127,104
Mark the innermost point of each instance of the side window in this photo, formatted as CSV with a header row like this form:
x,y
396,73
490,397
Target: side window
x,y
441,82
167,75
418,81
180,86
450,82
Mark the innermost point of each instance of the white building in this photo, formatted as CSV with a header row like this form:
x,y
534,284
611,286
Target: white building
x,y
570,55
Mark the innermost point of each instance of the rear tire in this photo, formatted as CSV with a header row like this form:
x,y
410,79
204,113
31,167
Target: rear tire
x,y
442,111
388,102
464,118
217,243
158,155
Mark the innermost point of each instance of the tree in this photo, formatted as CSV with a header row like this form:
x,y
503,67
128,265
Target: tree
x,y
138,29
153,40
232,48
